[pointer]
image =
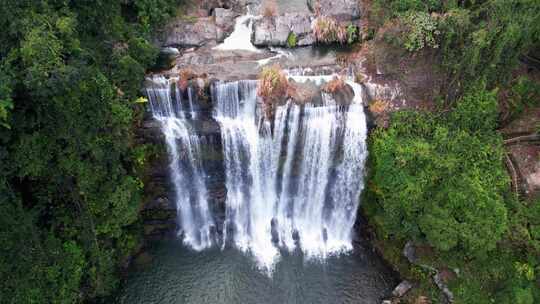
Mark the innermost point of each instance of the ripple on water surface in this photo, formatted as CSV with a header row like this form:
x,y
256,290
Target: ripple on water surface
x,y
178,275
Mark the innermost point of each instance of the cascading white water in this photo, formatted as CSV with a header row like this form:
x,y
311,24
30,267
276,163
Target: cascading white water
x,y
186,170
240,38
296,185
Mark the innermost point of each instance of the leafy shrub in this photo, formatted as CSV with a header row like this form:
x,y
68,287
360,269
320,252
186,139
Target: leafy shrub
x,y
442,180
422,31
291,40
352,33
523,94
155,12
477,111
399,6
485,41
6,103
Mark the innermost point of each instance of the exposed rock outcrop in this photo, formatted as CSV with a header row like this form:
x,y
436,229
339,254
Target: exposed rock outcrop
x,y
188,33
224,19
395,79
440,276
275,30
167,58
302,93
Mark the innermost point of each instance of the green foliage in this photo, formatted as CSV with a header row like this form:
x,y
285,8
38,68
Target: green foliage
x,y
524,94
291,40
70,73
155,12
439,180
399,6
478,40
352,34
442,181
6,103
422,31
36,271
477,111
485,41
505,276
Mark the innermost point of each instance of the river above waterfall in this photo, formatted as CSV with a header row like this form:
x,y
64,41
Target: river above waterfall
x,y
180,275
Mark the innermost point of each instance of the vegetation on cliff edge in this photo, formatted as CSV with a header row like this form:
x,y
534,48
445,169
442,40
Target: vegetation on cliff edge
x,y
70,72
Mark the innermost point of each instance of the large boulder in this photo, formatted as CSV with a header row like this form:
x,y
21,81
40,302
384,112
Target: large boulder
x,y
190,32
302,93
310,92
275,30
167,58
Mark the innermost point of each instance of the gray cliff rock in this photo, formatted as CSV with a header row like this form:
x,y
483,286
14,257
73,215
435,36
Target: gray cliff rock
x,y
274,31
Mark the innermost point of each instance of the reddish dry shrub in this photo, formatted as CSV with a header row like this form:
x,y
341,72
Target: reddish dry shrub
x,y
273,88
270,8
185,76
378,106
328,30
334,85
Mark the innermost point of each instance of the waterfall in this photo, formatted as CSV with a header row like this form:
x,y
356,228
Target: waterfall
x,y
187,174
295,183
240,38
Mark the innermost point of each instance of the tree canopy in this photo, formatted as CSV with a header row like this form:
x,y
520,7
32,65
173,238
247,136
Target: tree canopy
x,y
70,72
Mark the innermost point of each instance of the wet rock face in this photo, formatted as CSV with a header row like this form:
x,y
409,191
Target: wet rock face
x,y
275,30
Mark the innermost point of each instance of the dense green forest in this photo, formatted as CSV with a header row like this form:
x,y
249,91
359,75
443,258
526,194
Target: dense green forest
x,y
438,177
70,75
